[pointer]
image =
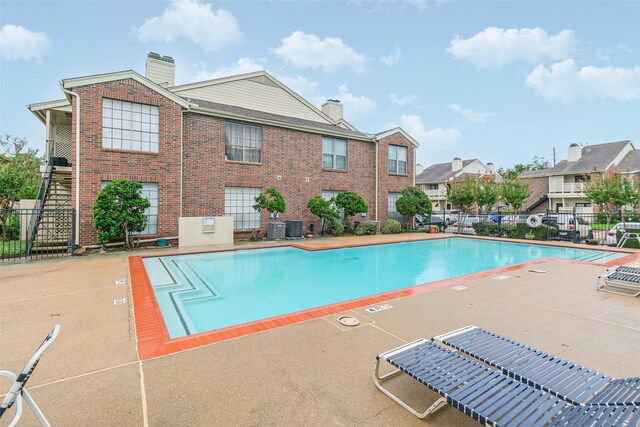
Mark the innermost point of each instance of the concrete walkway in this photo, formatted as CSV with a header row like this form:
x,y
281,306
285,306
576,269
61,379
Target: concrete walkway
x,y
312,373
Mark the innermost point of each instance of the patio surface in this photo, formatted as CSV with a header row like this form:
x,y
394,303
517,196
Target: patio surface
x,y
316,372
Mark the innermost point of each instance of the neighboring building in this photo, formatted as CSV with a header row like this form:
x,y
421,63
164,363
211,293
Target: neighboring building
x,y
562,186
434,179
209,148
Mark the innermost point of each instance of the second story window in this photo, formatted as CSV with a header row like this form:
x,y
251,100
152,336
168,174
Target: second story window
x,y
334,153
129,126
397,159
243,143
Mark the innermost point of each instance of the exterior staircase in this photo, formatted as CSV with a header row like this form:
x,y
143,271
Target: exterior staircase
x,y
53,219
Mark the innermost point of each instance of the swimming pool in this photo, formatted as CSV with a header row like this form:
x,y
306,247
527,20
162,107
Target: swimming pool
x,y
201,292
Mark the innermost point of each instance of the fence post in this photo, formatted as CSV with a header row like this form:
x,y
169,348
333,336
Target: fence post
x,y
73,232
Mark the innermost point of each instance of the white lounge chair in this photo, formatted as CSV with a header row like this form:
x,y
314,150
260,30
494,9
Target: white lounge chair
x,y
18,391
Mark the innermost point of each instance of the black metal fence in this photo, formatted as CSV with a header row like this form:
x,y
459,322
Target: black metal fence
x,y
36,233
564,225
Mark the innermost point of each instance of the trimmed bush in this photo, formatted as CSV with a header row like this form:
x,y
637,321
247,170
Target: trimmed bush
x,y
336,228
518,231
365,228
391,227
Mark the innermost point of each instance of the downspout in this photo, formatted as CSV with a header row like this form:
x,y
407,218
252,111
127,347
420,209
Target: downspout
x,y
77,163
375,140
181,157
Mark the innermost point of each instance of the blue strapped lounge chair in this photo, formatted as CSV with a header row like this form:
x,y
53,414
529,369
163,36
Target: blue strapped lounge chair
x,y
621,280
567,380
18,391
489,396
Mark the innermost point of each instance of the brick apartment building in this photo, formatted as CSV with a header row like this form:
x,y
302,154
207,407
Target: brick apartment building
x,y
209,148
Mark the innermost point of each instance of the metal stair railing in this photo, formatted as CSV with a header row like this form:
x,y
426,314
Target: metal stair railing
x,y
39,206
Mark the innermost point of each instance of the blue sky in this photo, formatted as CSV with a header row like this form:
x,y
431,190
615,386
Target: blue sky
x,y
501,81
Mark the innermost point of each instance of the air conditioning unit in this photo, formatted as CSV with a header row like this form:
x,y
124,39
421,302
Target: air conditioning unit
x,y
276,230
294,229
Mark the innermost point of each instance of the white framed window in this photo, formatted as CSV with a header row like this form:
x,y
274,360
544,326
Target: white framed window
x,y
328,195
129,126
397,159
243,143
238,203
392,211
334,153
150,192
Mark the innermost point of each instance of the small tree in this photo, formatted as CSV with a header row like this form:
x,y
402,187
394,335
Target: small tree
x,y
413,201
487,192
629,194
462,194
324,210
351,204
119,211
272,201
19,175
514,192
604,189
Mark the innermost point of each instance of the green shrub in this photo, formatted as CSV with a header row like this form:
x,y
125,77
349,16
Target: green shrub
x,y
487,229
392,227
11,228
365,228
336,228
518,231
601,217
631,243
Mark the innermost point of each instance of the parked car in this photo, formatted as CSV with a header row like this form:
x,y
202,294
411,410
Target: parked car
x,y
569,228
513,219
445,216
466,225
433,220
612,235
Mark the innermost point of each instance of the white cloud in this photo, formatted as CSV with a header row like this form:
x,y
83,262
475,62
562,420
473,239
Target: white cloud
x,y
565,82
309,51
436,139
197,22
354,106
402,100
469,114
299,84
392,58
241,66
493,47
17,42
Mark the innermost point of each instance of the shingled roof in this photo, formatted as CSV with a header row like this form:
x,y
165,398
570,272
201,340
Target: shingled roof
x,y
440,172
284,120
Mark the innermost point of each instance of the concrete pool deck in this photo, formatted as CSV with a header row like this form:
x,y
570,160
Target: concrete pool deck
x,y
315,372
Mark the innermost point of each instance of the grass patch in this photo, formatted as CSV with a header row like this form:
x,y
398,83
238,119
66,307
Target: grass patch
x,y
12,248
600,226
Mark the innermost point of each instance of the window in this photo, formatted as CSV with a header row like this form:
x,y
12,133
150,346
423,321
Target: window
x,y
392,212
328,195
129,126
150,192
397,159
243,143
433,186
334,153
238,203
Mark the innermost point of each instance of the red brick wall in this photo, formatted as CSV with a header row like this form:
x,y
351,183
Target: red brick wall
x,y
98,164
539,187
392,183
291,163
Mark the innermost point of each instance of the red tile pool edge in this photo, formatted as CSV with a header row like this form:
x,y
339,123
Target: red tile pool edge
x,y
153,337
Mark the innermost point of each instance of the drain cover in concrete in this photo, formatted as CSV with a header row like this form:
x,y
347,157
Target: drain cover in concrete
x,y
348,321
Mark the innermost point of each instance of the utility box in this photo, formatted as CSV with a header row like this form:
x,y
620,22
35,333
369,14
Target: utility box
x,y
293,229
276,230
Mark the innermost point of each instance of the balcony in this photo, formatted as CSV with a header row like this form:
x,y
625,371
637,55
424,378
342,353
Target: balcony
x,y
439,194
566,189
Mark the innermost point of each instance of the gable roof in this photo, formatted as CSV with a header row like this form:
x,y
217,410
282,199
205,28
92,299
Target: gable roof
x,y
123,75
254,90
401,132
630,162
440,172
255,116
597,156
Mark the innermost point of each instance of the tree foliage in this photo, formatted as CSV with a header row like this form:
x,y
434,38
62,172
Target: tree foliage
x,y
514,192
462,194
119,211
413,201
271,200
351,203
487,192
536,164
611,190
19,175
324,210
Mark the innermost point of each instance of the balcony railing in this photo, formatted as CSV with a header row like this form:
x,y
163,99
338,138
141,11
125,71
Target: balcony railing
x,y
436,194
566,187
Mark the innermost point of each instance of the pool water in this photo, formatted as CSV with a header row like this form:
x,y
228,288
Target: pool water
x,y
201,292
